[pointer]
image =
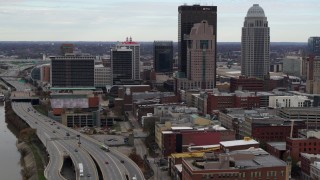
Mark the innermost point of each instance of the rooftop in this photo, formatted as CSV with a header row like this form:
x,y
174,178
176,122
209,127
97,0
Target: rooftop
x,y
238,143
310,155
278,145
251,158
181,128
255,11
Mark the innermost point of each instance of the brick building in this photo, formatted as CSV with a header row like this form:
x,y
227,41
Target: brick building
x,y
243,164
222,101
247,102
254,84
296,146
244,83
275,132
276,149
179,140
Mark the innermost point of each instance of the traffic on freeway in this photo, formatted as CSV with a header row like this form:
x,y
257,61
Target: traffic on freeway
x,y
52,137
118,165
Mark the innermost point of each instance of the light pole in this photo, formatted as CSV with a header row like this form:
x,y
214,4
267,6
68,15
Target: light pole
x,y
79,142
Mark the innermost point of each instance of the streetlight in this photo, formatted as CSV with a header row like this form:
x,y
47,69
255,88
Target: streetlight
x,y
79,142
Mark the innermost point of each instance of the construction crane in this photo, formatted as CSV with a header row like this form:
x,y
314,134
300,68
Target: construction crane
x,y
198,153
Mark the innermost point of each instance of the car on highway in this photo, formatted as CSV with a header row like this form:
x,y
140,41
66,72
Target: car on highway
x,y
36,122
58,127
122,161
88,175
53,131
76,150
67,134
107,162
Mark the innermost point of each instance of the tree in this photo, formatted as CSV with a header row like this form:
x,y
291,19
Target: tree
x,y
137,159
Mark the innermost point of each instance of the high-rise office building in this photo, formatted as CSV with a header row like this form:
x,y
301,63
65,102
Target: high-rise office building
x,y
122,64
163,56
314,46
201,61
72,72
135,47
255,44
313,75
188,16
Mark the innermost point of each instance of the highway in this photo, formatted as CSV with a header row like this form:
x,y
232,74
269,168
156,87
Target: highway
x,y
113,165
56,141
113,170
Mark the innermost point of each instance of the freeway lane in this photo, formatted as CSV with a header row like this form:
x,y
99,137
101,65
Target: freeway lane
x,y
68,148
113,170
52,171
109,171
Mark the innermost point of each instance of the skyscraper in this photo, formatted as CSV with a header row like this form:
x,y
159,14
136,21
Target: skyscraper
x,y
188,16
201,61
163,56
72,71
122,64
135,47
314,46
255,44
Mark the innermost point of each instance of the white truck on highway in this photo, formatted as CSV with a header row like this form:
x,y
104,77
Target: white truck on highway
x,y
80,169
105,148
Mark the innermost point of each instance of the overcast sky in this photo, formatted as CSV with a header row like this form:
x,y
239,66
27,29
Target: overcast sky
x,y
146,20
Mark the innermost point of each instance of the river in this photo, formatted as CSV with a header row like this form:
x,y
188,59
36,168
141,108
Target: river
x,y
9,155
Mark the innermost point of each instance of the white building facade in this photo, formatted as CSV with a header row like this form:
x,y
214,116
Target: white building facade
x,y
289,101
102,76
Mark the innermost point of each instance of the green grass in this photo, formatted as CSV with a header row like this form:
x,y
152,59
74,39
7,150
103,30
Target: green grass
x,y
38,160
41,110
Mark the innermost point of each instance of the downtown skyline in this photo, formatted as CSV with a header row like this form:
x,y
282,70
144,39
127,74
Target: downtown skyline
x,y
71,20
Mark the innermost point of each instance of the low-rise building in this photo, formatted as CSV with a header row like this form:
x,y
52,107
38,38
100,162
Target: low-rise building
x,y
315,170
289,101
244,83
310,115
242,164
306,161
179,139
246,143
310,145
276,149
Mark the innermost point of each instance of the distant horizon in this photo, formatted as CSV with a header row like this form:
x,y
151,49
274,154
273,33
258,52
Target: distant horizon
x,y
147,41
147,20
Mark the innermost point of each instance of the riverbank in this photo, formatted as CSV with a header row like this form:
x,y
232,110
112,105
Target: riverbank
x,y
33,153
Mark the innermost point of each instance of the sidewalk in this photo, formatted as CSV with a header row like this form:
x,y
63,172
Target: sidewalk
x,y
141,149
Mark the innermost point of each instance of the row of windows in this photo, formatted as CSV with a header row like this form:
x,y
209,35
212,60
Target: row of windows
x,y
241,175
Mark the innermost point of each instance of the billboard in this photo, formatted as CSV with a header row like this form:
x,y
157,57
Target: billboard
x,y
70,103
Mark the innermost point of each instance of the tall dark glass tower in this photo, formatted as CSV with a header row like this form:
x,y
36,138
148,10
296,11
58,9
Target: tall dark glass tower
x,y
188,16
314,46
72,71
122,64
163,55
